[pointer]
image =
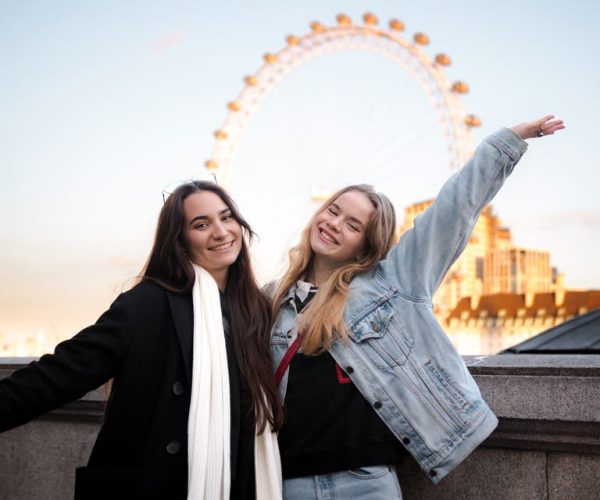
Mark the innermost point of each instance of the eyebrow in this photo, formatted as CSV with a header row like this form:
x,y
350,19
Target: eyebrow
x,y
354,219
206,217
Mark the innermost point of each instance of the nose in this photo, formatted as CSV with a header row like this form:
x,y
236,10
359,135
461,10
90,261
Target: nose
x,y
334,224
219,230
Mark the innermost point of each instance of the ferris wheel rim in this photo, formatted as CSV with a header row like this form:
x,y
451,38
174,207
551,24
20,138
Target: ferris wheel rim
x,y
328,39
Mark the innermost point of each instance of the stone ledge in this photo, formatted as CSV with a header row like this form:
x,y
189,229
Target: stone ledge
x,y
559,365
575,437
547,445
90,408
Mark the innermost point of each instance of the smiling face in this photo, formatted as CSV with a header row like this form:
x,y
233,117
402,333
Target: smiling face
x,y
212,235
338,233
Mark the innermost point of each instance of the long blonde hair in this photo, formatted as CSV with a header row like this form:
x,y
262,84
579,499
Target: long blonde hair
x,y
324,316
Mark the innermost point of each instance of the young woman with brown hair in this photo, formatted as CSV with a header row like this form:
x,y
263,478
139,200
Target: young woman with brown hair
x,y
193,406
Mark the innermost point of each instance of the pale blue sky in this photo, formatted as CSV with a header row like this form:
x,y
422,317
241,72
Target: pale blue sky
x,y
103,104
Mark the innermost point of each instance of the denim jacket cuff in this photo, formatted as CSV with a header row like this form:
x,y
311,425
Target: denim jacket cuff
x,y
509,142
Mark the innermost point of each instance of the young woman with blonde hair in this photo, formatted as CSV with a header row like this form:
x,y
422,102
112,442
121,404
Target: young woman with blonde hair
x,y
365,370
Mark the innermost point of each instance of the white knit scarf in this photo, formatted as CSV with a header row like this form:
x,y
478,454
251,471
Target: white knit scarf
x,y
209,420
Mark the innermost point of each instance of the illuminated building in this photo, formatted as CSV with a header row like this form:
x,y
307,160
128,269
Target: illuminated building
x,y
495,294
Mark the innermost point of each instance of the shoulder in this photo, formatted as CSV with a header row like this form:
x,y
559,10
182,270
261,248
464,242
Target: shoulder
x,y
270,288
145,291
148,303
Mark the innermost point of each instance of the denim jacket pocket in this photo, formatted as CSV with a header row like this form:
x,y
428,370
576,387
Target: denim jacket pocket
x,y
446,386
384,341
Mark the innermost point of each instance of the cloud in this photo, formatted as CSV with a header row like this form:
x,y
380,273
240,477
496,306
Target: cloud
x,y
167,42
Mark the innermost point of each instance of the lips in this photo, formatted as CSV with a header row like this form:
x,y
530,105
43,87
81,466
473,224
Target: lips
x,y
222,247
327,237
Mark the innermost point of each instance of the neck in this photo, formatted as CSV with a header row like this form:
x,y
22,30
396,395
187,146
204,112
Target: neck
x,y
320,270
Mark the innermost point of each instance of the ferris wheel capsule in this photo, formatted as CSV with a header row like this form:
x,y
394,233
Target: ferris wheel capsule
x,y
421,39
251,81
396,25
317,27
318,193
443,59
472,121
343,20
233,106
460,87
211,165
270,58
370,19
292,40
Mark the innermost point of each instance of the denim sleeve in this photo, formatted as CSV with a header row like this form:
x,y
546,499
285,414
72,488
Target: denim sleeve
x,y
424,254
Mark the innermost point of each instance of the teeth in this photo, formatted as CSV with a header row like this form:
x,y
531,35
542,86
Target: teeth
x,y
221,247
327,237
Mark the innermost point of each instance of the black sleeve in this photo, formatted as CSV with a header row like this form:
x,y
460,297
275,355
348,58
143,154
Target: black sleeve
x,y
77,366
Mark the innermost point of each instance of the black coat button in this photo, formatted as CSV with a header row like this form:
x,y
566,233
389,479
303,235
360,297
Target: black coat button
x,y
406,440
178,388
377,405
349,369
173,447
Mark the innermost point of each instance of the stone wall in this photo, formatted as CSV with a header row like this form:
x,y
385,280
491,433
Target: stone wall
x,y
547,445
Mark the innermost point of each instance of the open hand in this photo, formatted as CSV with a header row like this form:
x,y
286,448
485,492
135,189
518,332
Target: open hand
x,y
539,128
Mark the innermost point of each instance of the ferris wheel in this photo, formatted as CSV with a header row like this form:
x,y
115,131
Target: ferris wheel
x,y
445,97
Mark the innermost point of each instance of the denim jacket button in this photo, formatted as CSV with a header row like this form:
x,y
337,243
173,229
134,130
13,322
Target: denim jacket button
x,y
433,473
349,369
377,405
376,327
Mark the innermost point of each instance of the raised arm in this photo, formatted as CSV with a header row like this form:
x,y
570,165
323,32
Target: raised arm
x,y
425,253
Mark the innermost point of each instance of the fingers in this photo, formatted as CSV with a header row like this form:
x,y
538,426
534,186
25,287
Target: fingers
x,y
554,128
550,124
545,119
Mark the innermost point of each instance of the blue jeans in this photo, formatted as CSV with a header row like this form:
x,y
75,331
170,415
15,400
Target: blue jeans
x,y
378,482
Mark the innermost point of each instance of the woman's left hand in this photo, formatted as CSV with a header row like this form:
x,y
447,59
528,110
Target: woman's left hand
x,y
538,128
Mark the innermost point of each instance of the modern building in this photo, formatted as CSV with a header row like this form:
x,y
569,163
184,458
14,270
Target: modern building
x,y
517,270
489,264
497,294
491,323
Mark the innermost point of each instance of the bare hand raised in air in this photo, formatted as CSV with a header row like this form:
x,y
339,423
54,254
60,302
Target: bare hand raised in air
x,y
539,128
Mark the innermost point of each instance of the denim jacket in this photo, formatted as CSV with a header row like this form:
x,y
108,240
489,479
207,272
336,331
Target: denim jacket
x,y
397,354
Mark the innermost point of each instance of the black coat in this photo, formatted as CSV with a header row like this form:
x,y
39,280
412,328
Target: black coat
x,y
144,342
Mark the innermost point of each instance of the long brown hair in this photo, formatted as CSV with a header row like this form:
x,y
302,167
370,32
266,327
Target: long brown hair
x,y
169,266
324,316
